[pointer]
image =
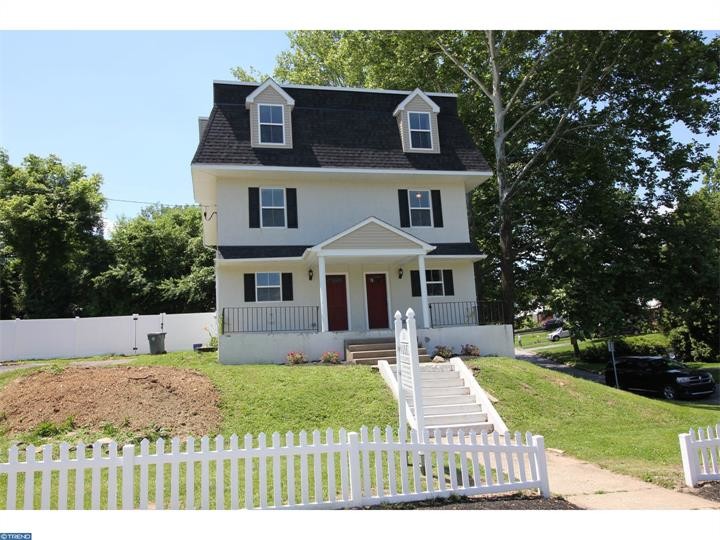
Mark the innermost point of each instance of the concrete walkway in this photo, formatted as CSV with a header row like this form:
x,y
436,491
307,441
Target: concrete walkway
x,y
594,488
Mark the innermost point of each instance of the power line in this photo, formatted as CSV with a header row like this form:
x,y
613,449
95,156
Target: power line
x,y
146,202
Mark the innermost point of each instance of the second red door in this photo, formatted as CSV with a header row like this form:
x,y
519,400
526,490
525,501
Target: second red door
x,y
377,305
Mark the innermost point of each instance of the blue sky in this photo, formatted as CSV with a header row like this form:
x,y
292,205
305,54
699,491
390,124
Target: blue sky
x,y
125,104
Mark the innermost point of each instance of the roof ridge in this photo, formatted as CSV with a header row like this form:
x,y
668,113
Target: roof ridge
x,y
338,88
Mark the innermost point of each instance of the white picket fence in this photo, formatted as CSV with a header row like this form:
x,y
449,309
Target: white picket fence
x,y
22,339
344,470
700,455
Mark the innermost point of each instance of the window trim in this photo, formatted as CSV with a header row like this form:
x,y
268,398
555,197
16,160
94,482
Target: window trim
x,y
281,124
262,225
429,208
429,130
257,301
428,282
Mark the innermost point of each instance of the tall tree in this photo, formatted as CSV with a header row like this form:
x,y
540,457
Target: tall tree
x,y
690,268
563,116
159,265
51,237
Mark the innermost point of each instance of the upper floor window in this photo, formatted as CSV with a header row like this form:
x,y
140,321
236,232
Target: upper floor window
x,y
420,208
420,133
268,287
272,207
271,124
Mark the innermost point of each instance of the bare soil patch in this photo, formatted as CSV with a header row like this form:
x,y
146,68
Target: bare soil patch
x,y
515,501
182,401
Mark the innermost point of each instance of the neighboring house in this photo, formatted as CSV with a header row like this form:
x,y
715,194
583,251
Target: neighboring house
x,y
330,209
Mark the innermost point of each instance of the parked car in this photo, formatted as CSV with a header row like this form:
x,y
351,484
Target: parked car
x,y
552,323
659,375
559,333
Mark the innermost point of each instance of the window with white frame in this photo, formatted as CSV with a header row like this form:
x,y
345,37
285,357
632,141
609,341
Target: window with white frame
x,y
268,287
434,280
272,207
420,208
271,124
420,133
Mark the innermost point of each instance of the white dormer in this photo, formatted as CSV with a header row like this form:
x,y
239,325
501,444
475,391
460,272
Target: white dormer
x,y
270,116
417,120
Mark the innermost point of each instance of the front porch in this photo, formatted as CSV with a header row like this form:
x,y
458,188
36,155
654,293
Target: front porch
x,y
348,288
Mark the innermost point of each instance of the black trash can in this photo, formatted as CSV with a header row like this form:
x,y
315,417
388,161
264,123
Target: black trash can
x,y
157,342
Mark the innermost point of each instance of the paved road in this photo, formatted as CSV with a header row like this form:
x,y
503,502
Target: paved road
x,y
530,356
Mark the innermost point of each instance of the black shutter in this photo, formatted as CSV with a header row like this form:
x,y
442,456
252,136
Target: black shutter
x,y
291,195
448,283
254,207
249,287
415,282
404,207
436,208
287,289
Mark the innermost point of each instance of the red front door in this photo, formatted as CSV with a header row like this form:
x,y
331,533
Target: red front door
x,y
377,305
337,302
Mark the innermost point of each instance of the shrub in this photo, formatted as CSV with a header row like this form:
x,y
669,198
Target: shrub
x,y
470,350
444,351
330,357
296,357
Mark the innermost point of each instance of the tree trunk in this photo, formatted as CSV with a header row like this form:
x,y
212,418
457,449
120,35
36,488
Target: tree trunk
x,y
575,346
506,263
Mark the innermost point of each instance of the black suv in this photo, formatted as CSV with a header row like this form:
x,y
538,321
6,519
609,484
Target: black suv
x,y
660,375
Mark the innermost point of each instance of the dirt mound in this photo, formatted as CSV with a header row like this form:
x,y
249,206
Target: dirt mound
x,y
182,401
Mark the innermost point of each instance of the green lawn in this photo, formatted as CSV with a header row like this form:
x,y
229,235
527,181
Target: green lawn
x,y
537,339
618,430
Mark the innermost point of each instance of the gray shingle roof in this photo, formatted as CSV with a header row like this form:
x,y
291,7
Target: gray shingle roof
x,y
334,129
272,252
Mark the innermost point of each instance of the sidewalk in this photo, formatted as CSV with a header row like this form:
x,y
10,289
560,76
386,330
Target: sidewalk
x,y
594,488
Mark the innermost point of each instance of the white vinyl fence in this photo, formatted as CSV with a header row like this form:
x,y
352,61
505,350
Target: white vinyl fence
x,y
22,339
701,455
343,470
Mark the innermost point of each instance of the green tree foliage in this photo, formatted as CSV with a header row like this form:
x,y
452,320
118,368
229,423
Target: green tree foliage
x,y
690,271
577,126
159,265
51,241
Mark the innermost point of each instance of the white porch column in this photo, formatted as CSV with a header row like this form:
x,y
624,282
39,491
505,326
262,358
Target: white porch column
x,y
423,292
323,294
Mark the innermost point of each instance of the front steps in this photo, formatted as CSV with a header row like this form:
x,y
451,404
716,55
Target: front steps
x,y
447,401
372,351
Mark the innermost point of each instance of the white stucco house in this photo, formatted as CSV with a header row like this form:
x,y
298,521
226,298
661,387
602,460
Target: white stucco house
x,y
330,209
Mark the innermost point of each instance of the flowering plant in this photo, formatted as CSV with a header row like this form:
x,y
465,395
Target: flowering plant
x,y
296,357
330,357
470,350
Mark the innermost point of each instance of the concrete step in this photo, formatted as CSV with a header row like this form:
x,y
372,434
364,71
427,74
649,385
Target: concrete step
x,y
459,399
439,375
436,367
454,391
442,383
453,408
455,419
381,353
388,359
467,428
384,346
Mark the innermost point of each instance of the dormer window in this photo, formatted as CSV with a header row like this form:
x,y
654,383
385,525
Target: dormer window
x,y
418,124
420,132
270,109
271,124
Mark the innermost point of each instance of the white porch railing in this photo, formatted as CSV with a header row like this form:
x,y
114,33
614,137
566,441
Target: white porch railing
x,y
343,470
700,455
